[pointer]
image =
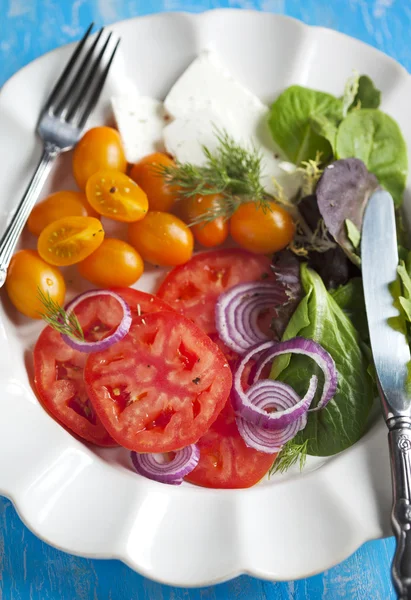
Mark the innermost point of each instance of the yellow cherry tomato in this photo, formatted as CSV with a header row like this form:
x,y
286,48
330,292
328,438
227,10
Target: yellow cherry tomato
x,y
259,231
99,148
162,239
70,240
56,206
161,195
114,264
28,275
114,195
209,234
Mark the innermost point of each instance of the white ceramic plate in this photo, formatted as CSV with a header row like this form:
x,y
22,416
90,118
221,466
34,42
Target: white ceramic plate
x,y
91,503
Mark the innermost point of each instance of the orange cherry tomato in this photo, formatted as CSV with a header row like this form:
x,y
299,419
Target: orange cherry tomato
x,y
114,264
209,234
28,275
99,148
56,206
161,195
114,195
162,239
70,240
262,232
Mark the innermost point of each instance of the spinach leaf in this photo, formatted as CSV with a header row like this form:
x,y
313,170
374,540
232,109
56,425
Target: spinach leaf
x,y
290,122
376,139
367,96
327,128
344,419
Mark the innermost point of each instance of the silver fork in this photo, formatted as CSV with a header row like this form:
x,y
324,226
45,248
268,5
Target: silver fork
x,y
61,124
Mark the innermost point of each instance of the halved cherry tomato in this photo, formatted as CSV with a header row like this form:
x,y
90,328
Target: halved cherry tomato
x,y
162,239
114,263
161,195
70,240
114,195
209,234
56,206
225,460
259,231
159,388
99,148
192,289
27,275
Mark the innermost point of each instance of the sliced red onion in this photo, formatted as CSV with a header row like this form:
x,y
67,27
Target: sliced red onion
x,y
117,335
158,468
308,348
237,312
270,441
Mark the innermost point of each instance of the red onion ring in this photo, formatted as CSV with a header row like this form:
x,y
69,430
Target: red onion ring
x,y
314,351
270,441
237,310
154,466
117,335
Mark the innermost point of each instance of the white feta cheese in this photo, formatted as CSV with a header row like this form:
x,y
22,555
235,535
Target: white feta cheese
x,y
140,121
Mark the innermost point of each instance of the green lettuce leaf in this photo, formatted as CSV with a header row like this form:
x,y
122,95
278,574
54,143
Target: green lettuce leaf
x,y
367,96
376,139
291,122
344,420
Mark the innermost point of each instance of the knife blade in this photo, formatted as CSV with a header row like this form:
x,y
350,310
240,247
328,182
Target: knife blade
x,y
391,353
379,261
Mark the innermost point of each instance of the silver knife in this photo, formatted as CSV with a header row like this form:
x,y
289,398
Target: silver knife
x,y
391,353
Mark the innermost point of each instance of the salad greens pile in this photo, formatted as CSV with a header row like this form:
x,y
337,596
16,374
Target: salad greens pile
x,y
355,148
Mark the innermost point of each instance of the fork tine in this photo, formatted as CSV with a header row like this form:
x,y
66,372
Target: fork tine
x,y
90,104
81,90
65,74
71,92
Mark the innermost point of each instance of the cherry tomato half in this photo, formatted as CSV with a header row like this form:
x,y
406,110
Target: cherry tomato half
x,y
99,148
114,195
27,275
209,234
162,239
56,206
259,231
114,263
70,240
161,195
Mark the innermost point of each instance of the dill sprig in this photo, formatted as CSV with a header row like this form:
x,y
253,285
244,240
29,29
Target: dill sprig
x,y
232,171
58,319
290,454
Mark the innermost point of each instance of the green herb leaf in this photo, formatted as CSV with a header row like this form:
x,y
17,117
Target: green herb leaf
x,y
290,454
350,92
342,422
291,122
232,170
367,96
57,318
353,233
376,139
326,127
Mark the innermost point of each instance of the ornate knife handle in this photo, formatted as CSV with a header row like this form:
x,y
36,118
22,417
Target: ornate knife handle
x,y
399,438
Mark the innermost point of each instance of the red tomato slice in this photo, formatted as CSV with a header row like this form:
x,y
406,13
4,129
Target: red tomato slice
x,y
59,368
193,288
141,303
160,388
225,460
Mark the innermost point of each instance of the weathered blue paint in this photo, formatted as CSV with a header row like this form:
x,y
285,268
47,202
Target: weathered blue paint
x,y
29,568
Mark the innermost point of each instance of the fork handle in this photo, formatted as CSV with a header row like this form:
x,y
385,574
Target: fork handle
x,y
399,438
11,235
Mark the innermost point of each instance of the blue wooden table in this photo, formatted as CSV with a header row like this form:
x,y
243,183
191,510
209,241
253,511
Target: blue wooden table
x,y
30,569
